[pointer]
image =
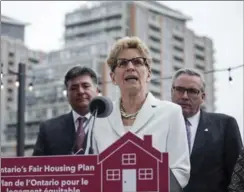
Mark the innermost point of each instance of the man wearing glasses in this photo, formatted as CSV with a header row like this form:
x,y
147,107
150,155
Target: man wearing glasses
x,y
214,139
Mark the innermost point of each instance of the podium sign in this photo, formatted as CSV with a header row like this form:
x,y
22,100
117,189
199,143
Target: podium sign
x,y
50,174
129,165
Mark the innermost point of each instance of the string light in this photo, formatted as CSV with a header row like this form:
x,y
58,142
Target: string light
x,y
2,86
17,83
64,92
30,87
230,78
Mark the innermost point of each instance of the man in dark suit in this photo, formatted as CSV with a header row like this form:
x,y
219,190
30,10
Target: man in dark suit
x,y
67,133
214,139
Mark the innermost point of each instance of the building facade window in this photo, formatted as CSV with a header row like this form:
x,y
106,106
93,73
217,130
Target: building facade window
x,y
145,174
113,174
129,159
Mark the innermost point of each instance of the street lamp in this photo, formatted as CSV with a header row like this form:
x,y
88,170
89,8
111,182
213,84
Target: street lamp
x,y
21,76
21,110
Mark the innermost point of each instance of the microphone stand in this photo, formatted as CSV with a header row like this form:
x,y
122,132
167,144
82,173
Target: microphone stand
x,y
91,151
89,132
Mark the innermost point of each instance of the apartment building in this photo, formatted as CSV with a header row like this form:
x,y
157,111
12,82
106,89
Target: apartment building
x,y
172,44
13,52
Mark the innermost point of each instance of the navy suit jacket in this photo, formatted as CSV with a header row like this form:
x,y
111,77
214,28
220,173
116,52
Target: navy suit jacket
x,y
214,154
56,137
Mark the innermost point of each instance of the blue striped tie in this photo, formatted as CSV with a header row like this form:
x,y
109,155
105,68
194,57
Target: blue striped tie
x,y
188,132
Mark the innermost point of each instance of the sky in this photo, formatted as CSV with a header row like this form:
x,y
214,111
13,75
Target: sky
x,y
219,20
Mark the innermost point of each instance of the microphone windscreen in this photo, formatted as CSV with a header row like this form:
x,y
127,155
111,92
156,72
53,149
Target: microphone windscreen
x,y
102,104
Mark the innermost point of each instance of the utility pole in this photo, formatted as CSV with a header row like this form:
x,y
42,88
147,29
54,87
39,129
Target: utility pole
x,y
21,110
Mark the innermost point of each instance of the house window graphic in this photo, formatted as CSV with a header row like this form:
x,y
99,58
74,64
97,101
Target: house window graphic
x,y
113,174
129,159
145,174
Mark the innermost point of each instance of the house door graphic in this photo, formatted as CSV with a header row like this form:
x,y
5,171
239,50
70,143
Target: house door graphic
x,y
129,180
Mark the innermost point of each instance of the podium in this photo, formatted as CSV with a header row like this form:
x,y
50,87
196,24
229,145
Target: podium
x,y
130,164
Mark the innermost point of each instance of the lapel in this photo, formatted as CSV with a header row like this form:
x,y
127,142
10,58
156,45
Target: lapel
x,y
201,135
144,115
69,128
115,120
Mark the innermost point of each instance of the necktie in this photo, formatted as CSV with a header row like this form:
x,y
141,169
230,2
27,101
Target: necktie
x,y
80,134
188,132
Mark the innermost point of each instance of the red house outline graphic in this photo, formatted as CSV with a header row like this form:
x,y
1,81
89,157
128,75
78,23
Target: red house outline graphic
x,y
133,165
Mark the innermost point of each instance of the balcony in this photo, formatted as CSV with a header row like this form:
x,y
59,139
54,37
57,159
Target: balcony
x,y
156,67
154,44
156,56
93,27
178,44
155,34
200,53
156,75
178,64
85,29
200,64
113,12
179,54
97,14
154,22
155,88
199,41
178,33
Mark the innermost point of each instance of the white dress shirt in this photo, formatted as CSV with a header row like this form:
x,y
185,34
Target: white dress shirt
x,y
194,120
76,116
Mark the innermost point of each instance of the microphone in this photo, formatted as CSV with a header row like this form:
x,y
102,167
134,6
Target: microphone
x,y
101,106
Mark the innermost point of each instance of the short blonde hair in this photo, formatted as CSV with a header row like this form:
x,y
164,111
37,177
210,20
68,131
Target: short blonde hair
x,y
127,43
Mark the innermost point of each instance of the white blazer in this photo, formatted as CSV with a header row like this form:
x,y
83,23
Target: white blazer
x,y
161,119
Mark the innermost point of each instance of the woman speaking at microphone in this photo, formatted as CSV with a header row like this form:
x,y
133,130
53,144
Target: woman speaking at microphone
x,y
139,112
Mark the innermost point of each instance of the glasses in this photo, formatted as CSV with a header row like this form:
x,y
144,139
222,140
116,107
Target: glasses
x,y
136,62
191,92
